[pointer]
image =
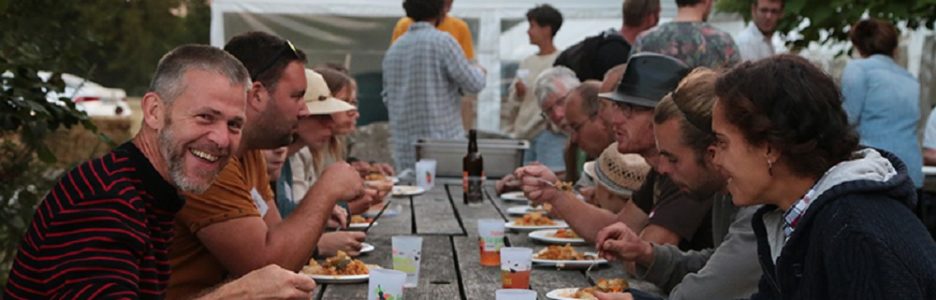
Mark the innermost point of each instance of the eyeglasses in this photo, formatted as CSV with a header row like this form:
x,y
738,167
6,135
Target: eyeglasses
x,y
628,109
549,109
288,49
572,128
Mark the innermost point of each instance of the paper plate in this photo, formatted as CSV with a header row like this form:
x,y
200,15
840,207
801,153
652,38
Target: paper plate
x,y
406,190
562,294
558,225
522,210
569,264
514,196
549,236
343,278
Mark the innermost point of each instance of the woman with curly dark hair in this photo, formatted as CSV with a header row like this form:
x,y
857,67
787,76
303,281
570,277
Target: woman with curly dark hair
x,y
847,230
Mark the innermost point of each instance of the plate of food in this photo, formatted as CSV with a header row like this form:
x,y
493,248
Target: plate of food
x,y
406,190
340,268
359,222
566,257
604,285
514,196
535,221
557,236
522,210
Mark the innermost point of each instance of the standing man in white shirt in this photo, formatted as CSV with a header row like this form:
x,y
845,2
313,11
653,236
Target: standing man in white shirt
x,y
755,42
547,140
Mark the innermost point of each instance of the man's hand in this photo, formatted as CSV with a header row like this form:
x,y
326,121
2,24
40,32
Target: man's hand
x,y
507,184
347,241
613,296
341,182
535,181
520,89
363,167
384,168
339,218
361,204
617,241
270,282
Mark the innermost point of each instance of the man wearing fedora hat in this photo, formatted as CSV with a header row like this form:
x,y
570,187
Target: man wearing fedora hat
x,y
235,227
673,217
684,137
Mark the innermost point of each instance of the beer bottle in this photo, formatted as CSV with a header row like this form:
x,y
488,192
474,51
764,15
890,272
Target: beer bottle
x,y
472,171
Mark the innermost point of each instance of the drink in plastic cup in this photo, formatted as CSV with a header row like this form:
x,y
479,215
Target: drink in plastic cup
x,y
490,240
425,173
516,264
514,294
407,251
522,75
385,284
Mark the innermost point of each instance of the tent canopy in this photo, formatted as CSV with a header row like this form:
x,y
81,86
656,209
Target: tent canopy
x,y
356,33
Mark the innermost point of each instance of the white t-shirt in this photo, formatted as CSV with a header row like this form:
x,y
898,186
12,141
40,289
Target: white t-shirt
x,y
753,45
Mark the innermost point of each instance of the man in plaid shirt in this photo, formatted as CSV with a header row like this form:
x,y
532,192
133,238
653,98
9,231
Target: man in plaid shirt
x,y
424,73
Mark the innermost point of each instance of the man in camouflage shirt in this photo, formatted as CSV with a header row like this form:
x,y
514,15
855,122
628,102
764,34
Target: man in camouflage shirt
x,y
691,39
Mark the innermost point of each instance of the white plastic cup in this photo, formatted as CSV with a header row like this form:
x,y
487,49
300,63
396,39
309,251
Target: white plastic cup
x,y
425,173
407,253
384,282
491,234
522,75
514,294
516,266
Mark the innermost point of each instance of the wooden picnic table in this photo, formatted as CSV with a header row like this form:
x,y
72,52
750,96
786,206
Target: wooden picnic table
x,y
450,268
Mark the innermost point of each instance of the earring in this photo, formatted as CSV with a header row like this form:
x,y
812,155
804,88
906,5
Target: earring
x,y
769,167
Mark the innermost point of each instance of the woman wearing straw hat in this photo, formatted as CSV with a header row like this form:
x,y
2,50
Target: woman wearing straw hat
x,y
617,176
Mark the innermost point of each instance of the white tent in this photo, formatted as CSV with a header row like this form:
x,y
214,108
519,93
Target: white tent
x,y
357,32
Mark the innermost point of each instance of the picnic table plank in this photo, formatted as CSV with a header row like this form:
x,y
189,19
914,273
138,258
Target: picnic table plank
x,y
399,224
438,273
470,214
480,281
434,213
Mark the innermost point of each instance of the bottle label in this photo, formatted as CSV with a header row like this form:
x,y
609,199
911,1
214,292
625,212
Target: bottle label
x,y
473,192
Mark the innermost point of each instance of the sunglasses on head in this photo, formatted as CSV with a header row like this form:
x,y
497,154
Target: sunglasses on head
x,y
286,50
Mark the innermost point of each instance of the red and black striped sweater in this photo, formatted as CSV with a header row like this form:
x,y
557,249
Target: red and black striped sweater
x,y
103,231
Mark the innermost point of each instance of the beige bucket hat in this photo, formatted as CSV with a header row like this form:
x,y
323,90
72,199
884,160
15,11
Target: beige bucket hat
x,y
622,174
319,99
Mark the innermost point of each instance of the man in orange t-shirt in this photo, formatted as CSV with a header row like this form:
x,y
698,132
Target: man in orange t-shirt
x,y
453,25
235,226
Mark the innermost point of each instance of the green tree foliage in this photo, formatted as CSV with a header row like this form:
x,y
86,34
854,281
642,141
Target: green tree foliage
x,y
835,16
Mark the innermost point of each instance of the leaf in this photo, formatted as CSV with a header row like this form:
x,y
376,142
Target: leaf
x,y
45,154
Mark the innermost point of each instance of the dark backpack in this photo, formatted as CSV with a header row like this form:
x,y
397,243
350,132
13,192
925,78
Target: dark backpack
x,y
595,55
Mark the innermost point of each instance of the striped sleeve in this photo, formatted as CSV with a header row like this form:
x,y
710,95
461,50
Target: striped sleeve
x,y
87,240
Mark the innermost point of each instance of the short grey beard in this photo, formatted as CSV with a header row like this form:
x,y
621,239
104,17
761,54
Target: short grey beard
x,y
174,161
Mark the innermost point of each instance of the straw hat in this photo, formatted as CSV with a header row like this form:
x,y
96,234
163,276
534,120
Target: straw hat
x,y
319,99
622,174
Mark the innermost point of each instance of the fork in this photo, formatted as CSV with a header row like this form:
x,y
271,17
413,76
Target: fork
x,y
588,271
546,182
